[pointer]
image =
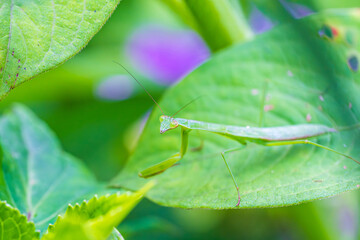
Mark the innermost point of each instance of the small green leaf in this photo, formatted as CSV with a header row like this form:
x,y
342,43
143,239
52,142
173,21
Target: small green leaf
x,y
115,235
96,218
38,36
37,177
14,226
308,81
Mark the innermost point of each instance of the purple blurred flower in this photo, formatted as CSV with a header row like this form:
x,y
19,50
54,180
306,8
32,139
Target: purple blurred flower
x,y
296,10
259,22
347,222
164,54
115,88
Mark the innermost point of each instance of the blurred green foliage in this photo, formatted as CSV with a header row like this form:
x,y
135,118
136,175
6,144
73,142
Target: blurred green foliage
x,y
37,177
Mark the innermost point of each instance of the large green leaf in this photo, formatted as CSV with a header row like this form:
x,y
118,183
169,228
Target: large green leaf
x,y
96,218
37,36
37,177
308,80
14,226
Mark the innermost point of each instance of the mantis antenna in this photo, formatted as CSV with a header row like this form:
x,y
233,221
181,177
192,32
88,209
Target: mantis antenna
x,y
141,86
186,106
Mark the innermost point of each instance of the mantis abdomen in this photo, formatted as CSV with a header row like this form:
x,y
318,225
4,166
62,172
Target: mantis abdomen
x,y
283,133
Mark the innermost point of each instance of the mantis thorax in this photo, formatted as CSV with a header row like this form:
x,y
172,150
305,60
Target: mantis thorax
x,y
167,123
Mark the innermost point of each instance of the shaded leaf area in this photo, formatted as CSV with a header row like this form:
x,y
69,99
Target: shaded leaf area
x,y
36,37
308,81
37,177
95,219
14,226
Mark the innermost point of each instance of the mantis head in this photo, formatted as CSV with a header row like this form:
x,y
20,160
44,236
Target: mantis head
x,y
167,123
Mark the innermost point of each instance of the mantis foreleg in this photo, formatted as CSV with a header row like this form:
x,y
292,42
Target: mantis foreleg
x,y
308,142
162,166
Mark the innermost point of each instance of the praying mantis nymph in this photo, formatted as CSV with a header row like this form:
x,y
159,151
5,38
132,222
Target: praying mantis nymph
x,y
266,136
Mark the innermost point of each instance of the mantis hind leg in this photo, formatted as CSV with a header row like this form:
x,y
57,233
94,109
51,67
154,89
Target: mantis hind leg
x,y
311,143
229,169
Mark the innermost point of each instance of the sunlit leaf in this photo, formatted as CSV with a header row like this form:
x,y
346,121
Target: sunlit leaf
x,y
96,218
37,36
308,81
14,226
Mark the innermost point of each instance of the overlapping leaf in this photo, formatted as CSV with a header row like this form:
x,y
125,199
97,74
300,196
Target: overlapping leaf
x,y
36,36
37,177
15,226
308,80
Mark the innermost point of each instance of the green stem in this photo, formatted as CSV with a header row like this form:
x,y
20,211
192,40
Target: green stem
x,y
217,21
180,8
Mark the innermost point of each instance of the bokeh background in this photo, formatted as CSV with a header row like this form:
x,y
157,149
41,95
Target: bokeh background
x,y
98,112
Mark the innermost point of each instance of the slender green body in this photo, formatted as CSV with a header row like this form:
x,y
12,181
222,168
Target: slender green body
x,y
269,136
255,134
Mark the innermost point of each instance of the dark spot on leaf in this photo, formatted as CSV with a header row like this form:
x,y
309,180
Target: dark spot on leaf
x,y
268,108
326,32
334,31
353,63
28,216
308,117
318,180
